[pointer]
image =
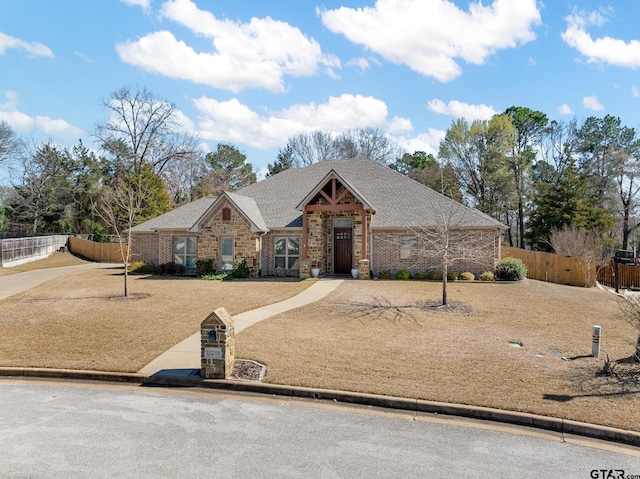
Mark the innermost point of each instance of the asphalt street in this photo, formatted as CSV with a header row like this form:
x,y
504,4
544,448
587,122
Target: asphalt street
x,y
79,430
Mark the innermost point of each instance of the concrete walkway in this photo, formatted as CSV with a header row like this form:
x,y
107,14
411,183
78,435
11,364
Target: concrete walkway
x,y
184,357
19,282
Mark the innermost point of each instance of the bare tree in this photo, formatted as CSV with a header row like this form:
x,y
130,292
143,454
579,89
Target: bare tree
x,y
630,306
143,129
118,207
371,143
12,148
450,240
587,249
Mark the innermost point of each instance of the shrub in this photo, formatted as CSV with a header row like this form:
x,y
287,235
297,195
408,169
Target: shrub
x,y
419,275
434,275
486,276
452,275
216,277
466,276
384,274
172,268
241,269
204,267
510,269
402,274
140,267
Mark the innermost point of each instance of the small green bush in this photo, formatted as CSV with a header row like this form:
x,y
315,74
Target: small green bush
x,y
486,276
140,267
452,275
434,275
466,276
216,277
402,274
241,269
510,269
384,274
204,267
419,275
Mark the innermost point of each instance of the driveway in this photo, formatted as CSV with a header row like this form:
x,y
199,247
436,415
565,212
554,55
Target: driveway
x,y
17,283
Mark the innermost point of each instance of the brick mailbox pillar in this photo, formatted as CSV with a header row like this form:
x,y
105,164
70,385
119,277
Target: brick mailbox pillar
x,y
218,345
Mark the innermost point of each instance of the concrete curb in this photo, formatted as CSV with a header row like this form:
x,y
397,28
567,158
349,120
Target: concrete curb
x,y
563,426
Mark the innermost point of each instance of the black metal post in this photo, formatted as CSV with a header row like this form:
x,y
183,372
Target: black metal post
x,y
615,260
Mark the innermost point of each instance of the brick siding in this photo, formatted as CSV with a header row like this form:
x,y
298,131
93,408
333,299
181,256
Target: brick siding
x,y
482,250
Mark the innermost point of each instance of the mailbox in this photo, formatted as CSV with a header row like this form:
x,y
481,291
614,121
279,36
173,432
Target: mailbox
x,y
217,345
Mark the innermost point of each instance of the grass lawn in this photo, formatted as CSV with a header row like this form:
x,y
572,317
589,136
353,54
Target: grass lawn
x,y
55,260
378,337
82,321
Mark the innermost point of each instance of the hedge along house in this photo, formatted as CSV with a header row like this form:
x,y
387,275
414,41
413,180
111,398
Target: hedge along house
x,y
335,215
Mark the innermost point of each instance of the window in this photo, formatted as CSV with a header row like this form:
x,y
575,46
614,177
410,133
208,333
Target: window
x,y
408,247
184,251
226,253
226,214
287,252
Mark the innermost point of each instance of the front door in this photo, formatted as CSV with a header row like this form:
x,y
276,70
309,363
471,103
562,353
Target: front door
x,y
342,250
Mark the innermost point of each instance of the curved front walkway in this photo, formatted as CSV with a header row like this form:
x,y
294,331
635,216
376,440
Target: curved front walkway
x,y
185,356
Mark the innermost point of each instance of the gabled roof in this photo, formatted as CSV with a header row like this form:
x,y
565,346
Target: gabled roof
x,y
332,174
272,203
243,204
182,218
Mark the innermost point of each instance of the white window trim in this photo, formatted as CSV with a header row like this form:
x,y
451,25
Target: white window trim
x,y
286,254
184,255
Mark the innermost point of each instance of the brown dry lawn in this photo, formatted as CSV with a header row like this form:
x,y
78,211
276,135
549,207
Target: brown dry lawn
x,y
407,348
82,321
56,260
460,357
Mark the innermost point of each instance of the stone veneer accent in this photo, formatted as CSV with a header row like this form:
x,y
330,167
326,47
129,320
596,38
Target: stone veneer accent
x,y
217,337
363,269
246,244
485,246
320,236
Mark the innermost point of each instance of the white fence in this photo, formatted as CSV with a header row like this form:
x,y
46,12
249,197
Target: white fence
x,y
17,251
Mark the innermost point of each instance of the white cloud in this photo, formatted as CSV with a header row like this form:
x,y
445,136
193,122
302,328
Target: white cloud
x,y
23,123
430,36
257,54
565,109
144,4
592,103
235,122
361,63
600,50
429,142
34,49
635,91
458,109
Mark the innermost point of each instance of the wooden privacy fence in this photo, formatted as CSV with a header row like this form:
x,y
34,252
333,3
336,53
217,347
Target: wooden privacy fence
x,y
552,268
629,276
100,252
20,250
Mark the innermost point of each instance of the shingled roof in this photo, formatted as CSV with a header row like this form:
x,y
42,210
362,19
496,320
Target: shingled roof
x,y
398,201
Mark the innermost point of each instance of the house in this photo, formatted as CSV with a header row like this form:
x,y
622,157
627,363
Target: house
x,y
335,215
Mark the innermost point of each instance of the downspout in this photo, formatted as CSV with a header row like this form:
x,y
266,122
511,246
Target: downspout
x,y
260,252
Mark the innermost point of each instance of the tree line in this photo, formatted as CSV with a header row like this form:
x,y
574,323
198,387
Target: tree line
x,y
537,176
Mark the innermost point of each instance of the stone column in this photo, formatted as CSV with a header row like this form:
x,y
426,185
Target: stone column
x,y
305,268
217,345
363,269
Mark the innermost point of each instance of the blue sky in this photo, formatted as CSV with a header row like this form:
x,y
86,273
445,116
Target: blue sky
x,y
254,72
